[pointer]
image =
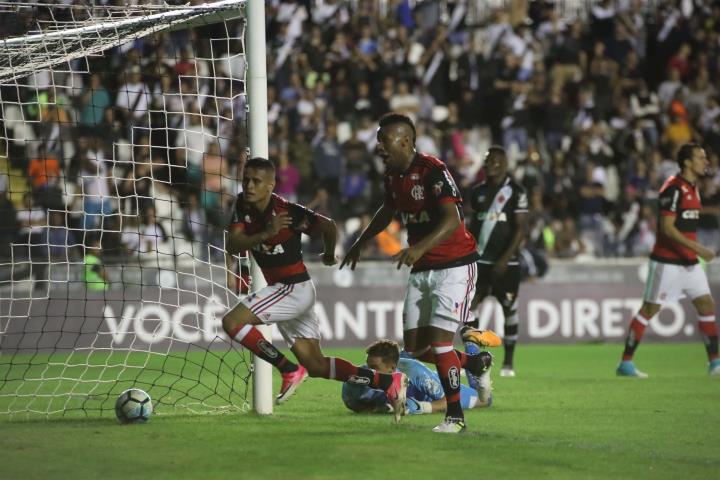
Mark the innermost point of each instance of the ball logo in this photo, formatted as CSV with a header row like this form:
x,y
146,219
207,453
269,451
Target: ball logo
x,y
267,349
454,377
417,192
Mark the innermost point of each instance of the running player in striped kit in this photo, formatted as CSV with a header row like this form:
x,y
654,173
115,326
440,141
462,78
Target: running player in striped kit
x,y
674,271
270,227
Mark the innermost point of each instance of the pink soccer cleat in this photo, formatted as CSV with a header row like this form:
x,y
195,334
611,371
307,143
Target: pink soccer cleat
x,y
290,382
397,394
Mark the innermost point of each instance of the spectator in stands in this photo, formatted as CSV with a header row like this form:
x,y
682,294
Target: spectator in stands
x,y
96,200
133,98
195,226
152,233
94,275
9,225
61,240
94,99
328,160
45,175
288,178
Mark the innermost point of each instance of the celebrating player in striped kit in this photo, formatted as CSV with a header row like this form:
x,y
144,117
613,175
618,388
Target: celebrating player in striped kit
x,y
270,227
674,270
441,253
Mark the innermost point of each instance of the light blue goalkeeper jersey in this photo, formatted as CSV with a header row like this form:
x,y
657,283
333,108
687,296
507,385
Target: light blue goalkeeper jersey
x,y
424,386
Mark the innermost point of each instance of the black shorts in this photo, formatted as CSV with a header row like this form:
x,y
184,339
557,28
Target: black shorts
x,y
504,288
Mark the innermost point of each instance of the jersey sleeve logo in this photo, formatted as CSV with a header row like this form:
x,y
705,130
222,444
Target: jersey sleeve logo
x,y
523,201
417,192
437,188
450,182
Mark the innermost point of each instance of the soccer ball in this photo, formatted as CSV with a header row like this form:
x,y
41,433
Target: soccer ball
x,y
133,406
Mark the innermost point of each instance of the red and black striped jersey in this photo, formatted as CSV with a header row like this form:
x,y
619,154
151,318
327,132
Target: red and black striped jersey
x,y
680,199
279,257
417,194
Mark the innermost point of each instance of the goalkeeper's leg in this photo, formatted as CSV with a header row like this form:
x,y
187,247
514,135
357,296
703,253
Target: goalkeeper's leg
x,y
310,355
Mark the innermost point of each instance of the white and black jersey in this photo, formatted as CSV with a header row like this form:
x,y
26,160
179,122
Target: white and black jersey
x,y
493,221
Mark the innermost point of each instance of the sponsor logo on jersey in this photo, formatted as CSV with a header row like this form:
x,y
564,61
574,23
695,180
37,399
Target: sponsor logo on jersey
x,y
523,201
248,219
267,349
414,176
417,192
414,217
691,214
269,249
454,377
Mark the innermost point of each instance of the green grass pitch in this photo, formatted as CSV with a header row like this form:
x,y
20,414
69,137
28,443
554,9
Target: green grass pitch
x,y
566,415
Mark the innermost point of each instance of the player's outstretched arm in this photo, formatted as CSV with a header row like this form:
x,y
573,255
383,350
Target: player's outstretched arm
x,y
449,221
379,222
668,228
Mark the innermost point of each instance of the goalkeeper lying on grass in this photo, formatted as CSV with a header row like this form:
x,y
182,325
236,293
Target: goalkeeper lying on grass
x,y
424,393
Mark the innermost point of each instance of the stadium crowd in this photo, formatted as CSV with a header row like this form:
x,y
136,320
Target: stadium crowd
x,y
591,105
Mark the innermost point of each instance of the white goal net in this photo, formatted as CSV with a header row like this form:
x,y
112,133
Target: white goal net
x,y
123,130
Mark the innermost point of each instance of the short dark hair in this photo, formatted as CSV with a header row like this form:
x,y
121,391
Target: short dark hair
x,y
393,117
260,163
686,153
387,350
496,150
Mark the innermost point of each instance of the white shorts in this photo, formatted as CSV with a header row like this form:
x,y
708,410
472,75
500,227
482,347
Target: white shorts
x,y
291,307
439,298
667,282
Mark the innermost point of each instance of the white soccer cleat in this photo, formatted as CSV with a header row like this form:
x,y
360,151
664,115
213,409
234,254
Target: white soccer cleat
x,y
506,371
450,425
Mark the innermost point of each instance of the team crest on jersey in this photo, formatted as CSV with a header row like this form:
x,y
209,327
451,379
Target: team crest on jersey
x,y
417,192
